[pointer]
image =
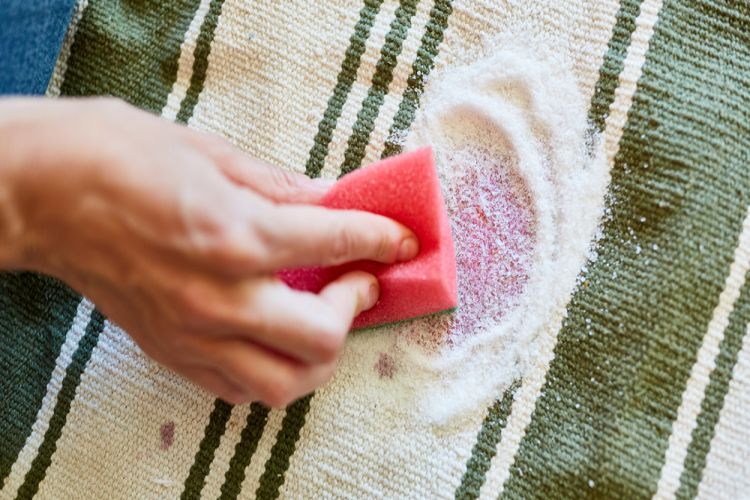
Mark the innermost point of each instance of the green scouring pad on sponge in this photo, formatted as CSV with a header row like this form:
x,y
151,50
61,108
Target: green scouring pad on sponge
x,y
406,189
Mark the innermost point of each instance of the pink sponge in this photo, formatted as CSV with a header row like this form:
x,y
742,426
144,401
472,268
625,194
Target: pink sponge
x,y
404,188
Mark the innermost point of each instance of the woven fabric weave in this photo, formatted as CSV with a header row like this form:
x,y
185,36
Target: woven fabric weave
x,y
641,382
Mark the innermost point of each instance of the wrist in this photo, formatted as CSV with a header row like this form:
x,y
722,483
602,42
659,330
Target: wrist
x,y
14,146
27,150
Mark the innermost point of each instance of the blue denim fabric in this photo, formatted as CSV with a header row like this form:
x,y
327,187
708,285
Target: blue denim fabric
x,y
31,33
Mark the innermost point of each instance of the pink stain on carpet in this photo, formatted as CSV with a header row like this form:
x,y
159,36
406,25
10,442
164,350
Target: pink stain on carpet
x,y
385,366
166,431
493,229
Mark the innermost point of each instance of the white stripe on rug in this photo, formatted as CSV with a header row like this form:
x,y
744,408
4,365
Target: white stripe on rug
x,y
692,397
225,451
525,401
257,464
727,471
185,63
58,74
38,430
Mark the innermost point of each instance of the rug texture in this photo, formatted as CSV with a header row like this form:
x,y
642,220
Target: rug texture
x,y
616,369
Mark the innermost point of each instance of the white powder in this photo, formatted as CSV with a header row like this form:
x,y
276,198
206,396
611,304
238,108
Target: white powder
x,y
524,196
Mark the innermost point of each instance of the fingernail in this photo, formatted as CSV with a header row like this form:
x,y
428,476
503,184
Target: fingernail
x,y
408,249
373,293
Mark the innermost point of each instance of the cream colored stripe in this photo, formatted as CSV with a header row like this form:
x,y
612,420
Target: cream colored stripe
x,y
225,451
30,448
359,90
121,406
185,63
400,76
58,74
727,471
525,401
270,73
690,406
262,453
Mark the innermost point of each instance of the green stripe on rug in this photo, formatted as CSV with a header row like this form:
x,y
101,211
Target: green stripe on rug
x,y
614,58
609,73
68,388
36,312
423,64
286,440
217,423
394,40
243,451
485,447
344,82
129,50
634,326
713,400
200,61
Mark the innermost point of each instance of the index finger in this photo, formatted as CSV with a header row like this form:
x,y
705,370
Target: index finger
x,y
302,235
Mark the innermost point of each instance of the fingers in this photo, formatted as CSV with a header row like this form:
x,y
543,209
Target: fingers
x,y
274,183
310,327
275,379
239,371
303,326
296,351
218,384
351,294
299,235
258,236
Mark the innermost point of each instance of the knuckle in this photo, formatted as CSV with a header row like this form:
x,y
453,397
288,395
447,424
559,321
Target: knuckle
x,y
234,396
329,340
280,390
196,303
384,246
327,375
217,144
284,181
229,243
343,245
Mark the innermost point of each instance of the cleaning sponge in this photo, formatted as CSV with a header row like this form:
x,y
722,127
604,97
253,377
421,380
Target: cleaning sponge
x,y
404,188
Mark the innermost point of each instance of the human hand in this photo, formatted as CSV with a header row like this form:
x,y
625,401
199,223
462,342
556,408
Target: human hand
x,y
175,235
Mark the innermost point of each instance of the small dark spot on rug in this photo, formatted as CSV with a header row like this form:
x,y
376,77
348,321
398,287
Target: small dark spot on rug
x,y
167,434
386,365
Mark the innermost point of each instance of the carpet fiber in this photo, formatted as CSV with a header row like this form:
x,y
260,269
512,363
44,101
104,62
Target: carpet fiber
x,y
641,382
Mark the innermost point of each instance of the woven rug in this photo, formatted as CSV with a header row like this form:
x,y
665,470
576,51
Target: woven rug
x,y
634,382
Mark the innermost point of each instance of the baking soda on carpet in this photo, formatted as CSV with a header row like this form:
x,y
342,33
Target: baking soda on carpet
x,y
524,194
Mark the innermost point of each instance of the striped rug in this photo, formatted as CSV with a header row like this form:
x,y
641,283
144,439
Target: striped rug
x,y
643,390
